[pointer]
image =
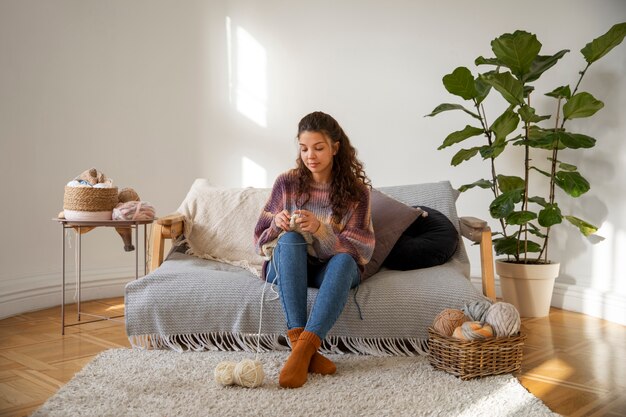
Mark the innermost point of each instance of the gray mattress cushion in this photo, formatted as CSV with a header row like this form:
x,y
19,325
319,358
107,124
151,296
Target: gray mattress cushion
x,y
189,302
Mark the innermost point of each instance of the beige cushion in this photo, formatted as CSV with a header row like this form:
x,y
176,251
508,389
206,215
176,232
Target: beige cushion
x,y
220,222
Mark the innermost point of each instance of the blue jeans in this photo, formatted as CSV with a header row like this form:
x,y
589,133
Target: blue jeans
x,y
295,274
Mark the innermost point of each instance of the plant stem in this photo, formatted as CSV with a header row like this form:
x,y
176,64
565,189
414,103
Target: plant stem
x,y
494,177
555,154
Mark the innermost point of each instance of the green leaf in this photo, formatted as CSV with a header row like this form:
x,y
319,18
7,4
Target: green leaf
x,y
528,115
516,51
506,123
576,140
567,167
581,105
549,140
482,89
461,135
541,64
550,215
448,106
504,204
572,183
527,90
547,174
482,183
481,60
509,246
460,83
584,227
560,92
535,231
463,155
520,217
493,150
508,183
511,89
538,200
602,45
505,246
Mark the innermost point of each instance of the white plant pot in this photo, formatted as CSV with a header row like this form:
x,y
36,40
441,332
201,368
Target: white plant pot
x,y
527,286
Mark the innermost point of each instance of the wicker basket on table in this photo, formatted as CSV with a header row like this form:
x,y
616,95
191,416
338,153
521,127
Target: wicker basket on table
x,y
477,358
87,203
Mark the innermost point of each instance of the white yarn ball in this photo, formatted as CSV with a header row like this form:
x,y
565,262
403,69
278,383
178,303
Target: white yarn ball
x,y
248,373
504,318
224,373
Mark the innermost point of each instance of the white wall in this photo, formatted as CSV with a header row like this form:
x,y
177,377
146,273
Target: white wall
x,y
157,93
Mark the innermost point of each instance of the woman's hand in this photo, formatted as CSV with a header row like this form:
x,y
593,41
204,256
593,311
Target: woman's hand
x,y
282,220
307,221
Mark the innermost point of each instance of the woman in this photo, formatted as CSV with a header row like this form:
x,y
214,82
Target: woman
x,y
317,225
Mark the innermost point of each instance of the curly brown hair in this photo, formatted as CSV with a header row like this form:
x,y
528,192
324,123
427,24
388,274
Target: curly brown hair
x,y
349,181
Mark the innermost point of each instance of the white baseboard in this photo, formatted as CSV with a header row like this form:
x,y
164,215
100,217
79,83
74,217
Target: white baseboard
x,y
36,292
605,305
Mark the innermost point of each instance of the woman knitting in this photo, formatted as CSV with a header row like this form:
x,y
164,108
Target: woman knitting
x,y
318,223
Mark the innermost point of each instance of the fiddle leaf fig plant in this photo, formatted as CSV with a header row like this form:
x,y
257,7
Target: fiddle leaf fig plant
x,y
526,216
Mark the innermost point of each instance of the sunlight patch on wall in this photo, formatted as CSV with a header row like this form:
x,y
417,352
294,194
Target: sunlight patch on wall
x,y
603,261
252,174
247,74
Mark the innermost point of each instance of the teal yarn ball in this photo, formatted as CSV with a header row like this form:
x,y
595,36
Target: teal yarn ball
x,y
477,310
504,318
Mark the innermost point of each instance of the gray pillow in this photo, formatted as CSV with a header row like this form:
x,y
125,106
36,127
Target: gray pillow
x,y
390,219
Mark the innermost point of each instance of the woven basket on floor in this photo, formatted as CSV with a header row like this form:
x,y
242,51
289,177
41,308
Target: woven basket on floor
x,y
89,199
472,359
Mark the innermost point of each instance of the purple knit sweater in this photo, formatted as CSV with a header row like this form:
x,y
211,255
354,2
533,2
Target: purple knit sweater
x,y
353,235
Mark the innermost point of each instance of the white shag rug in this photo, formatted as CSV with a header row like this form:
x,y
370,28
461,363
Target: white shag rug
x,y
127,382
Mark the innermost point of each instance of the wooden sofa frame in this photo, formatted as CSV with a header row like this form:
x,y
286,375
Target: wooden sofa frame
x,y
476,230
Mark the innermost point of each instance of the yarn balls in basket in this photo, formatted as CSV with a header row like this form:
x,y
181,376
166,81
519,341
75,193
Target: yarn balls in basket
x,y
476,310
473,330
504,318
448,320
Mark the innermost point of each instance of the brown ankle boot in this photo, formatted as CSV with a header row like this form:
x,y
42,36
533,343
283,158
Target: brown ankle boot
x,y
294,372
319,363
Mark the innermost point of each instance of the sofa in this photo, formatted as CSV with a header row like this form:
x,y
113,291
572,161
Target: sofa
x,y
206,294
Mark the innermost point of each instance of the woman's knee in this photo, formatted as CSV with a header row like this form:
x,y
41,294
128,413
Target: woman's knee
x,y
291,238
345,260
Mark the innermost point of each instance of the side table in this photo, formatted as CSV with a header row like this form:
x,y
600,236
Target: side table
x,y
78,225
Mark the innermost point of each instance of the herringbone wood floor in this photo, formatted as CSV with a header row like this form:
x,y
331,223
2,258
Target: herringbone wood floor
x,y
575,363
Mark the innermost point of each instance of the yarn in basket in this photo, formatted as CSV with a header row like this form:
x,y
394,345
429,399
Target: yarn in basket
x,y
476,310
504,318
473,330
246,373
448,320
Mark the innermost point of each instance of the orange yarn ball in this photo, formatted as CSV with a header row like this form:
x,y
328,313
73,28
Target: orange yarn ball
x,y
448,320
473,330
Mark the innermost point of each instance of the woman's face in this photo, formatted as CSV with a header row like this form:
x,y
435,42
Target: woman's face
x,y
317,151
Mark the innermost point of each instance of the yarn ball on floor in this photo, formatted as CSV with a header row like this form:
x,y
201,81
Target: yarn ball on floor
x,y
448,320
249,373
476,310
246,373
473,330
224,373
504,318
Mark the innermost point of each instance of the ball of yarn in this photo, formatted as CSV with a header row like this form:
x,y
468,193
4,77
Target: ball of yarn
x,y
477,310
473,330
224,373
448,320
248,373
127,194
504,318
